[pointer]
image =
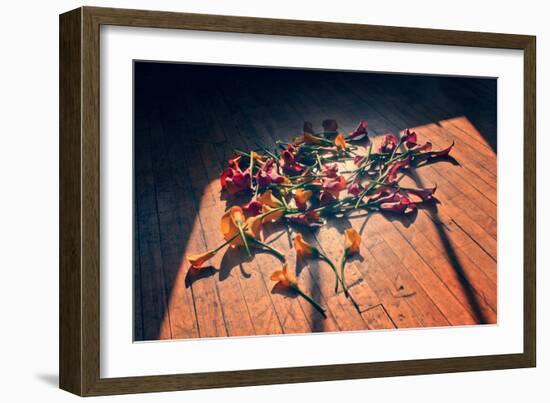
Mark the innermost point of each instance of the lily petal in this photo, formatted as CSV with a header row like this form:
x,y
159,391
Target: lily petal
x,y
352,241
199,259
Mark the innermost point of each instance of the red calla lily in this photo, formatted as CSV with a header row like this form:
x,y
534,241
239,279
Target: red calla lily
x,y
311,219
396,166
334,185
330,171
410,139
355,189
398,204
360,131
389,144
421,194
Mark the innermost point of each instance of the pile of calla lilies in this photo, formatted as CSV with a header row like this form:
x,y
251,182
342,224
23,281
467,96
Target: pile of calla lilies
x,y
302,183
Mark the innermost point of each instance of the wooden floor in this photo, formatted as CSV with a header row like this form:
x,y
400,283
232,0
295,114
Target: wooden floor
x,y
437,268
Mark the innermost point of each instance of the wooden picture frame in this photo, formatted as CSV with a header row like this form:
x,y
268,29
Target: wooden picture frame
x,y
79,200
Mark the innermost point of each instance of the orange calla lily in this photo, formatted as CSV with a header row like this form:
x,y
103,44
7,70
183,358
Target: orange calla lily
x,y
340,142
352,241
304,249
256,156
230,222
272,216
351,245
302,196
267,199
285,277
254,226
199,259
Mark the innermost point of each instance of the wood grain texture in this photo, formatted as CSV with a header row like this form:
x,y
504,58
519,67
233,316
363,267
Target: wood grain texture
x,y
79,200
70,274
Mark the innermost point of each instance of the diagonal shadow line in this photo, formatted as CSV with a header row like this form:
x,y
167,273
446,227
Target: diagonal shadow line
x,y
453,258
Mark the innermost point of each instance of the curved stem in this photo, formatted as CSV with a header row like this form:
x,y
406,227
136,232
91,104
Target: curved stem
x,y
274,251
243,237
315,304
226,243
342,273
338,279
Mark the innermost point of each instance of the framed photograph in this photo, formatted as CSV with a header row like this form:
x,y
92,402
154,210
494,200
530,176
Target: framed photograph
x,y
249,201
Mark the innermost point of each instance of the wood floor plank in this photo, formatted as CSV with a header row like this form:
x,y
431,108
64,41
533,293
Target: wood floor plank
x,y
153,294
443,298
175,231
210,318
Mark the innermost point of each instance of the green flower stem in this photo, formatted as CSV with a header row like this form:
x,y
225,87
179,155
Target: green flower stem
x,y
342,271
278,254
338,279
319,161
226,242
297,186
271,212
315,304
243,237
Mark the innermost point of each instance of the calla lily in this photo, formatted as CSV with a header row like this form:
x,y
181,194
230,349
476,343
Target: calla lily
x,y
227,173
272,215
285,278
334,185
256,156
311,218
420,195
330,171
303,248
340,142
355,189
268,175
398,204
383,193
352,241
360,131
253,208
389,144
301,197
199,259
409,139
443,153
326,198
267,199
254,226
430,155
231,223
235,181
396,166
352,244
289,164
